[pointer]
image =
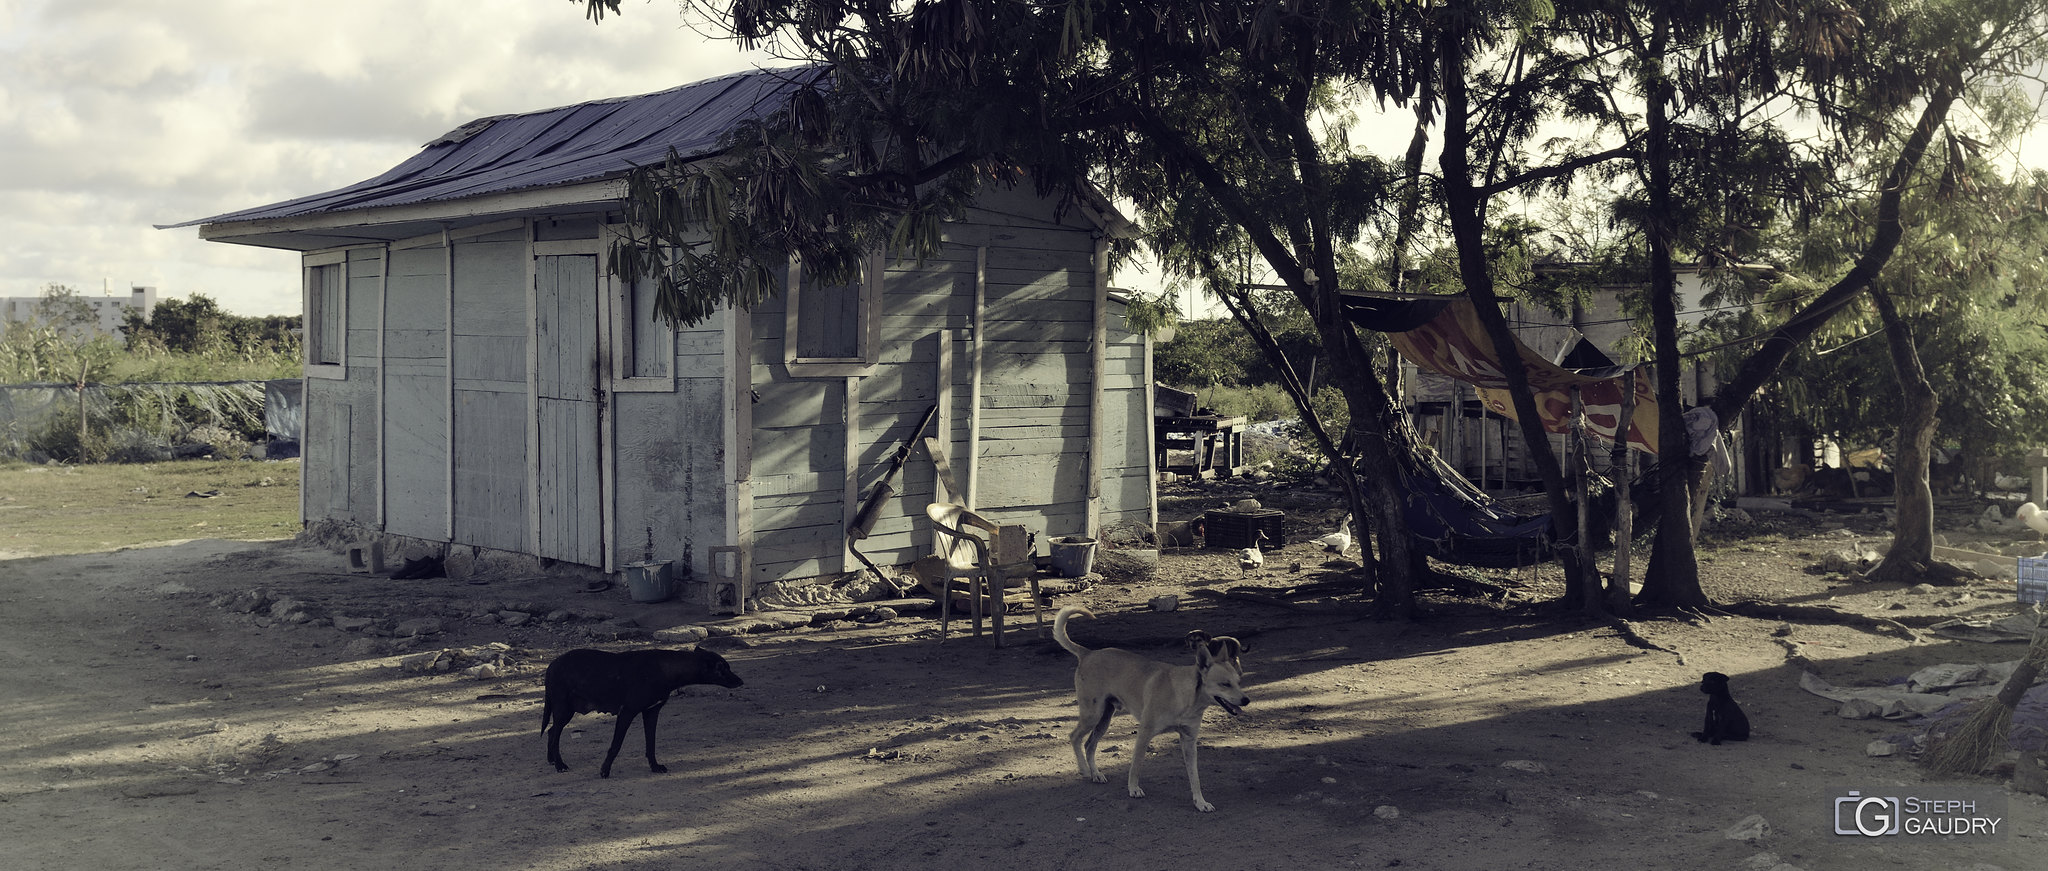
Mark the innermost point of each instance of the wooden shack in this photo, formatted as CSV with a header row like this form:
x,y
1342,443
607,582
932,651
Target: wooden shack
x,y
474,377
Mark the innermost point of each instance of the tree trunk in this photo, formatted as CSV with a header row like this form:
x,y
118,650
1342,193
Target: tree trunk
x,y
1466,207
1395,596
1913,540
1673,575
1375,429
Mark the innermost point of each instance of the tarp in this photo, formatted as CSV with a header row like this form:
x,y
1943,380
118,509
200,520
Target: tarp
x,y
1453,521
1445,337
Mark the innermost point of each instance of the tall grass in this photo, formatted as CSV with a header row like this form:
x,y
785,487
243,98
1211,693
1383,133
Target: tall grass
x,y
1267,402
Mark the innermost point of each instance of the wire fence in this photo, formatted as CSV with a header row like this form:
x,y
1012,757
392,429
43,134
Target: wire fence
x,y
131,423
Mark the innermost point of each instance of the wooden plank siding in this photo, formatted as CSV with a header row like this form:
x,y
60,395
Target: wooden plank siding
x,y
477,367
492,414
799,461
669,460
1037,379
1127,478
416,394
341,434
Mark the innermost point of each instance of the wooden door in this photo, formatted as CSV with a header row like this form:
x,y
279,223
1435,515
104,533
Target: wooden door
x,y
570,399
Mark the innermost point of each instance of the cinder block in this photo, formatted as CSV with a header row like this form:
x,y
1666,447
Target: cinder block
x,y
366,558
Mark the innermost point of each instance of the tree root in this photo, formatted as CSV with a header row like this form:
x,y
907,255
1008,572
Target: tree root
x,y
1936,572
1820,614
1628,633
1281,600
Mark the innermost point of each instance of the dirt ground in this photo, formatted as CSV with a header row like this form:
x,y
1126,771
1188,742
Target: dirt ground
x,y
154,721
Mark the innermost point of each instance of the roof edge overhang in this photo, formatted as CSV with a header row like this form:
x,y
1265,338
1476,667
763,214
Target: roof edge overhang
x,y
391,223
1104,214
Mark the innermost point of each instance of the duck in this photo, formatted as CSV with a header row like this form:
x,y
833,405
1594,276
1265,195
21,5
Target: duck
x,y
1250,559
1340,541
2032,515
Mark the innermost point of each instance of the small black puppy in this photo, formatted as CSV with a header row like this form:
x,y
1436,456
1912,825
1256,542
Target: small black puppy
x,y
636,682
1725,720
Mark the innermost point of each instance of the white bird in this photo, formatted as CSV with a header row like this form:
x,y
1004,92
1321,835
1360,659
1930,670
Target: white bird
x,y
2033,517
1340,541
1250,559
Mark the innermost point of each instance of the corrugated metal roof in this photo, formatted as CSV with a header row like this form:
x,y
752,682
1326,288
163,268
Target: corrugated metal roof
x,y
568,145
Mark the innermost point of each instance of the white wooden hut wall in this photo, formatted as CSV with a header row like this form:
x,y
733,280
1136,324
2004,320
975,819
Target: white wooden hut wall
x,y
346,424
465,415
524,466
1000,331
417,393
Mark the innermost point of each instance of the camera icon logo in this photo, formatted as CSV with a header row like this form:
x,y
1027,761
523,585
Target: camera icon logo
x,y
1868,815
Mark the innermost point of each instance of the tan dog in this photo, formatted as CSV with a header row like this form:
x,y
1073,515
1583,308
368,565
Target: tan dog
x,y
1164,698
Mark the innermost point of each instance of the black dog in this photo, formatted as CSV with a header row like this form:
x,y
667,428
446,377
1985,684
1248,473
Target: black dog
x,y
635,682
1725,720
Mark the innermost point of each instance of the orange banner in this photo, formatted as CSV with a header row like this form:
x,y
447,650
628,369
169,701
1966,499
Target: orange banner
x,y
1455,344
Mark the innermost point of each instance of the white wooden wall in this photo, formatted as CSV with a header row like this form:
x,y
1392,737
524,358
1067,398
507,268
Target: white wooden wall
x,y
1017,409
492,413
1127,477
416,394
341,435
440,418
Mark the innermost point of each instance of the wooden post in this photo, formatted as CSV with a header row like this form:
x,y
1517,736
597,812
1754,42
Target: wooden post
x,y
1480,430
1454,428
1582,464
1618,595
2037,458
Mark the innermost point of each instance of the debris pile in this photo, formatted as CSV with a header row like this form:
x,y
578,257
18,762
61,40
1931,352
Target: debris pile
x,y
485,662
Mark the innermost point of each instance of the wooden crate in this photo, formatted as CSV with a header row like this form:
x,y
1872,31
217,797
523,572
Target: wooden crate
x,y
1263,528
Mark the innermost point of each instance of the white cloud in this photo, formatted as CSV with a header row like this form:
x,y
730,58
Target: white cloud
x,y
119,114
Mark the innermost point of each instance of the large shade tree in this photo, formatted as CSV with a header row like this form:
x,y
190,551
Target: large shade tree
x,y
1223,126
1214,122
1722,87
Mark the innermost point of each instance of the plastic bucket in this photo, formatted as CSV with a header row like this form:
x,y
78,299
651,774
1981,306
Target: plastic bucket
x,y
1073,556
650,582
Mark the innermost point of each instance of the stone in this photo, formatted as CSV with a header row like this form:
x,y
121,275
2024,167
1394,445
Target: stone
x,y
1526,766
424,663
1761,862
559,616
420,626
2028,776
1880,748
245,602
353,624
514,618
366,647
1387,812
682,635
1750,828
784,620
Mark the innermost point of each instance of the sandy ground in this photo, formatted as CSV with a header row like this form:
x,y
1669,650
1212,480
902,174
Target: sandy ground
x,y
151,723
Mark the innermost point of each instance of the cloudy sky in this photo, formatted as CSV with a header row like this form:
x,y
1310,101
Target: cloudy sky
x,y
116,115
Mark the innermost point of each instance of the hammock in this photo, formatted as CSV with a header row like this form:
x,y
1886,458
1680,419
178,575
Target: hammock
x,y
1452,521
